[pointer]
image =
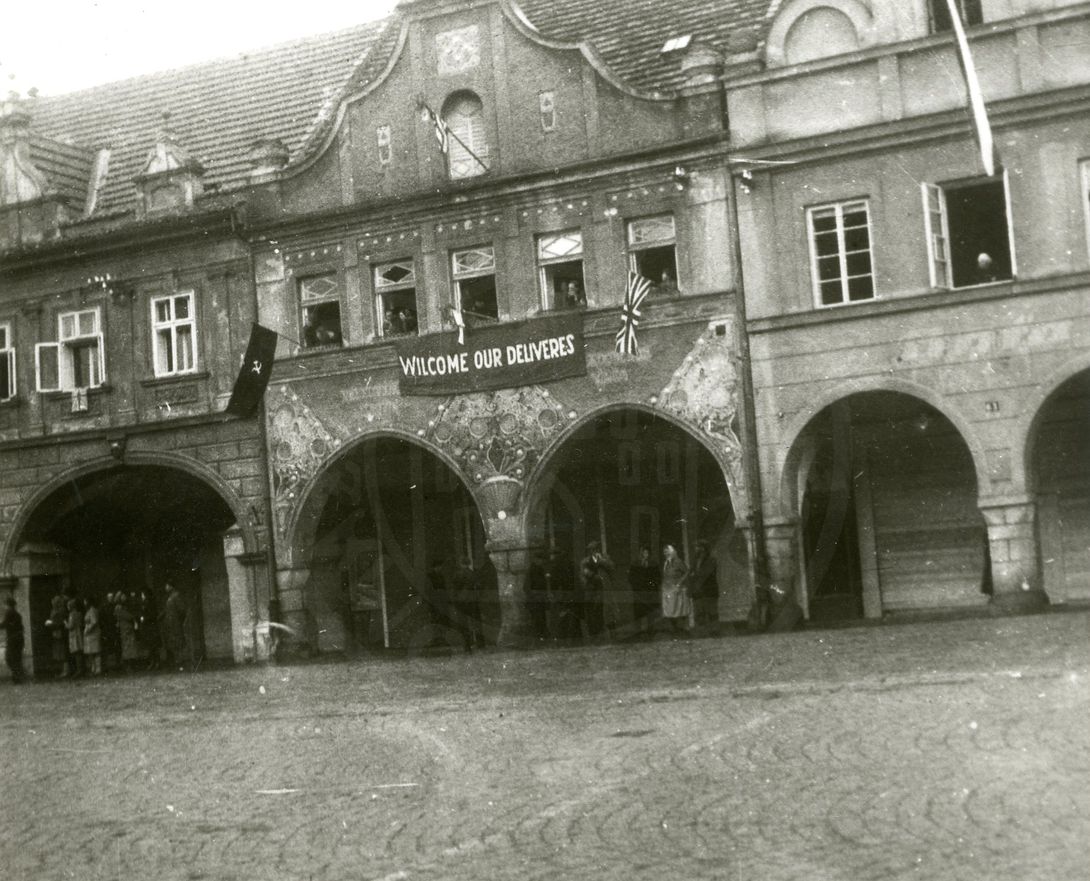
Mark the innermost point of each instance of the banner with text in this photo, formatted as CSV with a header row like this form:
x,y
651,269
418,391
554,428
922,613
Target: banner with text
x,y
493,357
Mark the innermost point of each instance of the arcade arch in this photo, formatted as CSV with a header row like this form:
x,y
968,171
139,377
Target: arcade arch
x,y
391,550
885,491
133,528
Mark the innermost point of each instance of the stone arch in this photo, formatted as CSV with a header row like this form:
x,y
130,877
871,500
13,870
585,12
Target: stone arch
x,y
794,16
1027,428
311,493
784,489
243,518
729,468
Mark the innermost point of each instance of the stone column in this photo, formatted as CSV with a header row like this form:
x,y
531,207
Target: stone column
x,y
1012,545
244,571
290,587
511,565
781,546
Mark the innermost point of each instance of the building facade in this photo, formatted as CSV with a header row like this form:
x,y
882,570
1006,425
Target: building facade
x,y
861,375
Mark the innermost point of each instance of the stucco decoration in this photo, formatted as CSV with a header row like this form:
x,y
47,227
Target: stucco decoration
x,y
299,444
705,392
498,434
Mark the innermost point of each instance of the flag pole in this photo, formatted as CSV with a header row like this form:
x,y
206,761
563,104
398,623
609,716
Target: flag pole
x,y
981,127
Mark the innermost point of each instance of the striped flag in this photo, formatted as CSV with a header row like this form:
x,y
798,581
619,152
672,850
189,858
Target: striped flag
x,y
442,131
459,322
982,129
634,295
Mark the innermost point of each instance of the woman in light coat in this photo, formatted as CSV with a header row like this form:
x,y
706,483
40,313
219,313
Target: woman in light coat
x,y
677,605
92,638
74,623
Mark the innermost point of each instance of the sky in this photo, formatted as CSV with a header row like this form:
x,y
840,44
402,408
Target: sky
x,y
66,45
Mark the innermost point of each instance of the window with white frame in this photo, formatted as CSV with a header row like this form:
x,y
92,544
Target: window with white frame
x,y
652,251
560,268
474,274
173,334
938,12
395,298
7,362
968,228
77,360
840,253
320,301
467,145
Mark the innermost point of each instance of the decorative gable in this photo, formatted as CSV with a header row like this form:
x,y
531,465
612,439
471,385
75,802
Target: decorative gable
x,y
171,178
20,180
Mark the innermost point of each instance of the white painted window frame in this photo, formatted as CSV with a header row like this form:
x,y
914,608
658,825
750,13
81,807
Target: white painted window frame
x,y
172,325
458,276
544,262
7,353
1084,196
63,351
839,208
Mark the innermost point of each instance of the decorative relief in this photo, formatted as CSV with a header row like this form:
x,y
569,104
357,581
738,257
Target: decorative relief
x,y
458,50
705,391
299,444
498,434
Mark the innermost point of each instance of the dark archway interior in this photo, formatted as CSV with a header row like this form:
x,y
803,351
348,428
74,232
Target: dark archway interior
x,y
395,533
629,479
889,495
1061,471
133,528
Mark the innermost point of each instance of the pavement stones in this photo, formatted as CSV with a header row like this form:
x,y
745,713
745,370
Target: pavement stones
x,y
940,750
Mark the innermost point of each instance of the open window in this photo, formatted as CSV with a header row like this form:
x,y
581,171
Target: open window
x,y
474,274
320,300
174,334
77,360
395,298
652,251
938,14
560,268
7,362
840,253
968,227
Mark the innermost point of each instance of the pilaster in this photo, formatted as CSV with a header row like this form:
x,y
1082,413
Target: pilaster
x,y
1012,546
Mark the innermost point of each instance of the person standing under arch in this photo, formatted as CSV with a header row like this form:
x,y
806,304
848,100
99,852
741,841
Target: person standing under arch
x,y
14,640
677,605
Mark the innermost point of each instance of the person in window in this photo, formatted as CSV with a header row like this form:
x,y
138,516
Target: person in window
x,y
407,320
985,268
572,296
667,283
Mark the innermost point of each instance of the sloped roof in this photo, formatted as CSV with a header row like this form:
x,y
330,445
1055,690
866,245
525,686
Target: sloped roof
x,y
218,110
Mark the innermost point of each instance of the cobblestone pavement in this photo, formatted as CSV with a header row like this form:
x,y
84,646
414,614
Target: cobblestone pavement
x,y
942,750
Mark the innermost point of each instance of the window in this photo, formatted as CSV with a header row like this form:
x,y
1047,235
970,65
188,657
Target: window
x,y
395,298
320,296
383,138
840,256
474,273
968,232
7,363
938,12
174,334
77,359
467,148
546,105
560,262
651,251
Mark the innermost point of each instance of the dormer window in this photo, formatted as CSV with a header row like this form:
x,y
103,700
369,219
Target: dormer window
x,y
938,12
468,151
676,44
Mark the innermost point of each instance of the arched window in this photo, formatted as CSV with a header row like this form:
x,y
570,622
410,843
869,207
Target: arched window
x,y
468,153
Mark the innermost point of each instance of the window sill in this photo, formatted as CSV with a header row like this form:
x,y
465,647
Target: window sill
x,y
10,403
173,379
104,389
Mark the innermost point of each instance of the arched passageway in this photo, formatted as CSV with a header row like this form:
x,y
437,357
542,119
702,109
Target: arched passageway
x,y
1060,467
394,548
133,530
888,516
629,480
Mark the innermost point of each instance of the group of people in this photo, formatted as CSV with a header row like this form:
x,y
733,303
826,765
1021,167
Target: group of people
x,y
570,606
398,322
125,632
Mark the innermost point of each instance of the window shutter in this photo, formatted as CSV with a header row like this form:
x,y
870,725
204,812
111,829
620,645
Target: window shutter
x,y
100,351
938,238
47,366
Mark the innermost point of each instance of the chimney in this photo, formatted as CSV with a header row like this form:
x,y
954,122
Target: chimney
x,y
701,65
20,181
266,157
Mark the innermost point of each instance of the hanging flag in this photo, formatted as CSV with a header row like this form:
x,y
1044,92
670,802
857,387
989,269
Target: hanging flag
x,y
253,376
638,286
460,323
441,129
982,129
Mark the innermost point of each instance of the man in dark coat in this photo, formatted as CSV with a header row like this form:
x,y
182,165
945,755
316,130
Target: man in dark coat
x,y
595,570
643,578
705,588
14,636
